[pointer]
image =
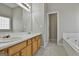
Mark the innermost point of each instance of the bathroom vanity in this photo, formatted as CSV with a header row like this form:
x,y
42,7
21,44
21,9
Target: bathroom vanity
x,y
26,46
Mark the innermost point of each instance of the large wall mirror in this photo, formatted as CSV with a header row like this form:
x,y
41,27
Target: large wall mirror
x,y
27,16
20,15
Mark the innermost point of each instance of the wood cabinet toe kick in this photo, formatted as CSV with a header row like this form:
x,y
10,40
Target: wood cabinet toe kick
x,y
26,48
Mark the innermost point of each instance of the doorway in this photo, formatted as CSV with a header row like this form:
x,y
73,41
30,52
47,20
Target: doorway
x,y
53,27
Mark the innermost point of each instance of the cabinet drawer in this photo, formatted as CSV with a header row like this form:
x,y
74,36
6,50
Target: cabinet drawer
x,y
16,48
29,41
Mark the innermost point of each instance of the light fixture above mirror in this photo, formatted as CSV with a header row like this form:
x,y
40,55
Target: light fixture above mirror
x,y
26,6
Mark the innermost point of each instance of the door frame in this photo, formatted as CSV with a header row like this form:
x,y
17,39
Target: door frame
x,y
57,25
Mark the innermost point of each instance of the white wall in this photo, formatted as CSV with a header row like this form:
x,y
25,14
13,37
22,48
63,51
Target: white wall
x,y
68,17
46,28
39,21
18,25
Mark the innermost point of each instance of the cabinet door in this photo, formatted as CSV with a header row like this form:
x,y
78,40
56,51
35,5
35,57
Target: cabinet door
x,y
12,50
17,54
24,52
29,50
4,51
29,41
39,43
34,47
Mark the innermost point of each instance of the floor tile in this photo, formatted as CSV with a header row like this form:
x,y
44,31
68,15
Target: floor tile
x,y
52,50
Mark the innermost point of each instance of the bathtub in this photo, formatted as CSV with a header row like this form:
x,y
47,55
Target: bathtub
x,y
71,43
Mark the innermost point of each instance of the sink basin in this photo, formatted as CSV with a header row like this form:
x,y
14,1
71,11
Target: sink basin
x,y
4,40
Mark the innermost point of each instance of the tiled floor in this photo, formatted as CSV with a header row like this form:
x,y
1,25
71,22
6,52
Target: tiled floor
x,y
52,50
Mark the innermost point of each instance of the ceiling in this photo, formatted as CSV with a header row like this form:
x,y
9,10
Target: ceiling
x,y
11,5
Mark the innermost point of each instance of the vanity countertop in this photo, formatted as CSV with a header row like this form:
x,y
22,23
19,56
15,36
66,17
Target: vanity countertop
x,y
24,36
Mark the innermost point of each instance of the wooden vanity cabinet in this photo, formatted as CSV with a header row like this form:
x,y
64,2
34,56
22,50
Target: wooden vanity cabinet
x,y
24,52
29,41
29,47
17,54
26,48
34,45
16,48
4,51
38,38
39,42
27,51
